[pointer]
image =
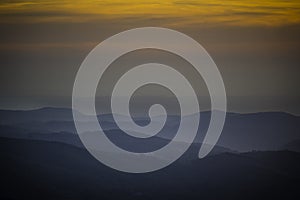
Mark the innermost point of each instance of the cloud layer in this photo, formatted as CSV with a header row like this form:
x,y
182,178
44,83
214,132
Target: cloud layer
x,y
234,12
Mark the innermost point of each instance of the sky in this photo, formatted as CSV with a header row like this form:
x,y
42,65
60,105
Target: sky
x,y
255,44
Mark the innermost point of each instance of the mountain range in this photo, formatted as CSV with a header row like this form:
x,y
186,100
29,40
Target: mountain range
x,y
242,132
32,169
257,157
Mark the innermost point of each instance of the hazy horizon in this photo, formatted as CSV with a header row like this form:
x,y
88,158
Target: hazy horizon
x,y
255,45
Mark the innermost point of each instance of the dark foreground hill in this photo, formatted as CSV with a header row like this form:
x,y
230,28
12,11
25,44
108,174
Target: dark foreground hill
x,y
51,170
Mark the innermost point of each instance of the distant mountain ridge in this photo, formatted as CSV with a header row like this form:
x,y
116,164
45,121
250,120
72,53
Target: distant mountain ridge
x,y
292,146
65,114
242,132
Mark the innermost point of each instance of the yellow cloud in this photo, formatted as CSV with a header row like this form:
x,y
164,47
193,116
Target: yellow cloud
x,y
233,12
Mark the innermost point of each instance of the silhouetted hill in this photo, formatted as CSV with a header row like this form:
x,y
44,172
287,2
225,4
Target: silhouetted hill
x,y
242,132
116,136
260,131
51,170
292,146
41,115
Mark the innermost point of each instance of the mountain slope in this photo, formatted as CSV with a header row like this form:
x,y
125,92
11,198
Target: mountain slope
x,y
50,170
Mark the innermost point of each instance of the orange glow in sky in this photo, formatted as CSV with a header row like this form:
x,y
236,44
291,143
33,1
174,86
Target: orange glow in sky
x,y
233,12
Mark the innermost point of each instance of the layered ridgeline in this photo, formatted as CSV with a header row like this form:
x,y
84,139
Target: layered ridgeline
x,y
32,169
242,132
43,158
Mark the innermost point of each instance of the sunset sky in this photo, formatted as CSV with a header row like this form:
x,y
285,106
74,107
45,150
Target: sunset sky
x,y
255,44
183,13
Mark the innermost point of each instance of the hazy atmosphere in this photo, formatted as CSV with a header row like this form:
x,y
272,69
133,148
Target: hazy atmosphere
x,y
255,44
147,125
